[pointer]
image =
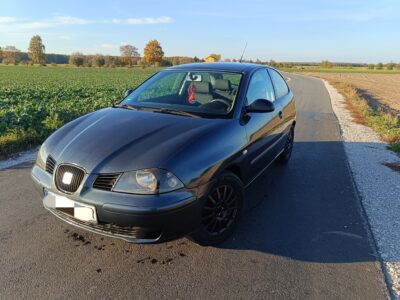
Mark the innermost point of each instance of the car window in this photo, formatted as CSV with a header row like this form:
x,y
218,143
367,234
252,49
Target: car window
x,y
167,85
281,88
200,92
260,87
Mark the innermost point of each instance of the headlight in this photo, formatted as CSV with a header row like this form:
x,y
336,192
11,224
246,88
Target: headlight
x,y
148,181
41,157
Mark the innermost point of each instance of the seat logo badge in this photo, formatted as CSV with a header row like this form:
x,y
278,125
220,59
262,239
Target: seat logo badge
x,y
67,178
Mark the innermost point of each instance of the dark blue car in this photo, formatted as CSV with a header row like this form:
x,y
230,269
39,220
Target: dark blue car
x,y
173,158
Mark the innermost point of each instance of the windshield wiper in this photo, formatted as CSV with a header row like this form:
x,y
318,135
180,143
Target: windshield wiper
x,y
125,106
175,112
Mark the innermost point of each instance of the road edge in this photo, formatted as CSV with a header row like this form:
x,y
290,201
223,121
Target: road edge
x,y
391,270
18,158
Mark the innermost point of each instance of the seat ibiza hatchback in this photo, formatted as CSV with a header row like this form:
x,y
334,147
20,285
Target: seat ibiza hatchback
x,y
173,158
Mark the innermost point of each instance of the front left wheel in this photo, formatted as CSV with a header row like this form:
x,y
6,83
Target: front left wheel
x,y
221,211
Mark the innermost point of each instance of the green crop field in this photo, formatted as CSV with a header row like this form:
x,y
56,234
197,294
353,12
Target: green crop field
x,y
35,101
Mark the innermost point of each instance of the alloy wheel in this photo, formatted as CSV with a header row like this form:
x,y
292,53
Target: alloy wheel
x,y
220,209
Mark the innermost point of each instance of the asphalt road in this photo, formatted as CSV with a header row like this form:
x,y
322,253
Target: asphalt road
x,y
303,236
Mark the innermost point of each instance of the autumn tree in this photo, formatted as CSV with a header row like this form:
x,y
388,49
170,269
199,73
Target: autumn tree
x,y
129,54
217,57
11,55
76,59
153,52
36,50
98,60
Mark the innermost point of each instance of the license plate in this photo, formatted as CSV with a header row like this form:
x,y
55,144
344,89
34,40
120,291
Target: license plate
x,y
75,209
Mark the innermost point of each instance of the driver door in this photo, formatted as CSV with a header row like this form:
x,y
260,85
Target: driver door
x,y
262,128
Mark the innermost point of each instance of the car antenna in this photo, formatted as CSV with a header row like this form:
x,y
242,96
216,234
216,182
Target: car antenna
x,y
245,46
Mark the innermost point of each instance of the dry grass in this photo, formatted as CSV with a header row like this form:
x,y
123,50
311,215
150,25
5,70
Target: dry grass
x,y
384,123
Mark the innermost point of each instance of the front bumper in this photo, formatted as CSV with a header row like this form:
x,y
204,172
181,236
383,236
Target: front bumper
x,y
133,218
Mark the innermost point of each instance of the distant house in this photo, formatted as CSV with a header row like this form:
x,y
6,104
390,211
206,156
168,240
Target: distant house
x,y
211,59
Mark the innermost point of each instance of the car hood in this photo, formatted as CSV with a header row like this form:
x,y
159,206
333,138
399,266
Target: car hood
x,y
117,140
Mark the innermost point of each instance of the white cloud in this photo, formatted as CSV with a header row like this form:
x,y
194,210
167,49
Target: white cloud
x,y
149,20
11,24
4,20
70,20
142,21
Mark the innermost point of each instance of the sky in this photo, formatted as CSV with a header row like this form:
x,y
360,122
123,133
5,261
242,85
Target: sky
x,y
287,30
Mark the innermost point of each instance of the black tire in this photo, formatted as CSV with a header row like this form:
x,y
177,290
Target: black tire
x,y
287,152
221,211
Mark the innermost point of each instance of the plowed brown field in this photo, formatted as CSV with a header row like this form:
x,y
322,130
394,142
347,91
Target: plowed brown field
x,y
384,88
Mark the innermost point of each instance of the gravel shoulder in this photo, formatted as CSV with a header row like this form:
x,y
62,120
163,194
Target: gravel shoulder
x,y
378,186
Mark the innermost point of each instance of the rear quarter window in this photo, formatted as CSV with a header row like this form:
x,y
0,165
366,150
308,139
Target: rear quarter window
x,y
281,88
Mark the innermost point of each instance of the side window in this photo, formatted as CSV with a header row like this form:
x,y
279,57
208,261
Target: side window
x,y
260,87
280,85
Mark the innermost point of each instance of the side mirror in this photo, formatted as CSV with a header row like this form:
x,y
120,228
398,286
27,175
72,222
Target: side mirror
x,y
127,92
261,106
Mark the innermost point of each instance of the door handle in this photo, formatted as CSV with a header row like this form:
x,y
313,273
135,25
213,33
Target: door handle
x,y
280,114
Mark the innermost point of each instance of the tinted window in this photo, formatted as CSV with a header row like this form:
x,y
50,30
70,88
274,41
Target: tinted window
x,y
280,85
260,87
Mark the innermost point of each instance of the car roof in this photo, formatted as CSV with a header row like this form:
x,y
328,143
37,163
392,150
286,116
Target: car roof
x,y
218,66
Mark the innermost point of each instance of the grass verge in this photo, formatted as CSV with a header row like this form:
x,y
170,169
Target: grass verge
x,y
17,141
384,123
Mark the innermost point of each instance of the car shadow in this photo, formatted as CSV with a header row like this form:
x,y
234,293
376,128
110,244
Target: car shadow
x,y
308,210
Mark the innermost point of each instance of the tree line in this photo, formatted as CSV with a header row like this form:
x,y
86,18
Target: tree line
x,y
153,54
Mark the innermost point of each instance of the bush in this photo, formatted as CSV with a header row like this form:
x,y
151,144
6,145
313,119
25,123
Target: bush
x,y
165,63
76,59
326,64
390,66
98,61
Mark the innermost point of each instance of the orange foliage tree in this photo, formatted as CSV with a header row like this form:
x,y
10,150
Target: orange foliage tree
x,y
153,52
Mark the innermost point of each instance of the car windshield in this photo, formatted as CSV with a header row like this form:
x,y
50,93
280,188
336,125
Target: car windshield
x,y
204,93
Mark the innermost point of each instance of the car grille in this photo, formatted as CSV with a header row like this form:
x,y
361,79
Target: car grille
x,y
77,177
50,165
113,230
106,181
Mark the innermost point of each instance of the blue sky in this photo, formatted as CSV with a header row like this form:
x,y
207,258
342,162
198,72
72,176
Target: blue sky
x,y
289,30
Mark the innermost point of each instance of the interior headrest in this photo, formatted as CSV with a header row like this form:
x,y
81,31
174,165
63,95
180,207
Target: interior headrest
x,y
222,84
203,87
